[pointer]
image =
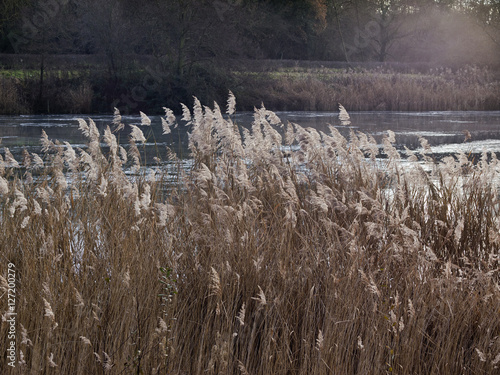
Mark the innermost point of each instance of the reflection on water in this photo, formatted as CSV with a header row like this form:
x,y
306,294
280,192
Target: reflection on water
x,y
443,130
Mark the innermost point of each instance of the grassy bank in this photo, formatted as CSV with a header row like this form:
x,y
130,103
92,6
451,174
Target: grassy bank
x,y
361,89
396,87
252,261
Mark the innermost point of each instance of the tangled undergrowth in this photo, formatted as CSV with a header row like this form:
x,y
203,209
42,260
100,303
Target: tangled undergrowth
x,y
279,250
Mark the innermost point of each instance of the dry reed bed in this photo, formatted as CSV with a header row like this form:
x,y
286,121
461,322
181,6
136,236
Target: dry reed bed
x,y
469,88
319,261
63,92
11,101
320,89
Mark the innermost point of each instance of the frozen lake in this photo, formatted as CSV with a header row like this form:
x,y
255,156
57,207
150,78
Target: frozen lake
x,y
443,130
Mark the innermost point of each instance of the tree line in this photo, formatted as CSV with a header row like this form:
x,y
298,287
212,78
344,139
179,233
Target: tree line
x,y
190,30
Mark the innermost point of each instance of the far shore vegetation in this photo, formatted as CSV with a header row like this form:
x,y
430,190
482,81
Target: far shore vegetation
x,y
282,85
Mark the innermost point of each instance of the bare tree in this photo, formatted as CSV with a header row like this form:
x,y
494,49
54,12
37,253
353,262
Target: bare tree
x,y
106,29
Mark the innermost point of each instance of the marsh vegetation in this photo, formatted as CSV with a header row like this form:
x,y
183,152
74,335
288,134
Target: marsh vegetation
x,y
277,250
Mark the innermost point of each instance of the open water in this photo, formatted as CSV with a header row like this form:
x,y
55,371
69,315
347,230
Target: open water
x,y
443,130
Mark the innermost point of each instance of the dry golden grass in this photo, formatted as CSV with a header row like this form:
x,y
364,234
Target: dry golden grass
x,y
316,260
469,88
